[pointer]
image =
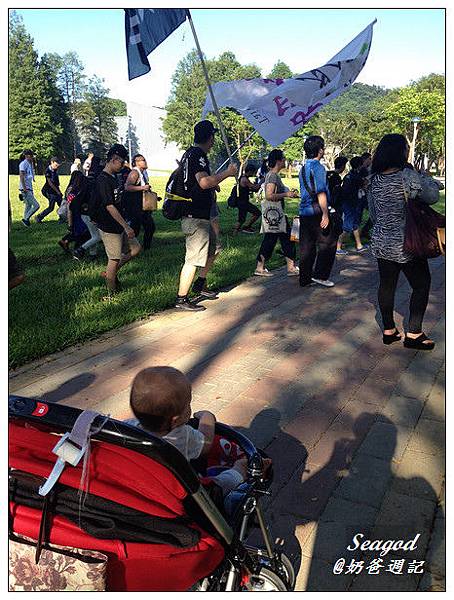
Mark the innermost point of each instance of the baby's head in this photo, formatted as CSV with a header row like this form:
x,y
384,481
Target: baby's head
x,y
161,398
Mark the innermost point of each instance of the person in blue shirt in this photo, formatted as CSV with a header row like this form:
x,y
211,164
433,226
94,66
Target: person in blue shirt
x,y
318,235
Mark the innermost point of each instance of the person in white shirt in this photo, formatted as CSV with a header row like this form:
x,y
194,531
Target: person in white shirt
x,y
26,179
76,166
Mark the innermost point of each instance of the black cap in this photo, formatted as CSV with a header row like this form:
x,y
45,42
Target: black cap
x,y
203,130
119,150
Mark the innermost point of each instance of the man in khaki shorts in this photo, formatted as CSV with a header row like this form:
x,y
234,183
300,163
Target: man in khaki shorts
x,y
118,238
200,236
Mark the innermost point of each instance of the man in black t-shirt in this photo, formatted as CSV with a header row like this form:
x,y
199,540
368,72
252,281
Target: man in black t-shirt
x,y
118,238
334,180
51,189
200,237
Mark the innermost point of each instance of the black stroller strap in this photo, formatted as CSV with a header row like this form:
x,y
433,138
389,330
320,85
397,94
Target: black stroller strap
x,y
101,518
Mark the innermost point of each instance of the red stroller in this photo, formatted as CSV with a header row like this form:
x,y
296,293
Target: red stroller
x,y
134,498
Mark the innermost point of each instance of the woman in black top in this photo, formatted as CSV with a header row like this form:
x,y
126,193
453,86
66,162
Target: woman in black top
x,y
76,195
390,187
245,188
136,184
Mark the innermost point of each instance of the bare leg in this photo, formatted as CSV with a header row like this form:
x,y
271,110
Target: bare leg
x,y
135,250
357,237
260,263
111,274
253,220
204,271
290,264
186,278
340,241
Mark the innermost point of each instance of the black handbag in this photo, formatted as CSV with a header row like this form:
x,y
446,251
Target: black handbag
x,y
424,229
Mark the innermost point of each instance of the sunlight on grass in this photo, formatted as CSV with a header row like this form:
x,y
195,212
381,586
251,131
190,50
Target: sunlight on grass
x,y
60,304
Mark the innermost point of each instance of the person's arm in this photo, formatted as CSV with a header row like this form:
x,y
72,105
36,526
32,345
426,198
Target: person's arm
x,y
252,186
115,214
206,182
207,422
272,196
323,201
51,184
22,181
322,196
131,183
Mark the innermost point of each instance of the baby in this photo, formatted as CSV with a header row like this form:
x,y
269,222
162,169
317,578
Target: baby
x,y
161,402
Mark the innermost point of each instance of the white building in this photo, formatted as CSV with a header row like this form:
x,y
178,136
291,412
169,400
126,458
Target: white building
x,y
146,120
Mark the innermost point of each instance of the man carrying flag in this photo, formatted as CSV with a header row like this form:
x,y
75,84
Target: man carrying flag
x,y
200,237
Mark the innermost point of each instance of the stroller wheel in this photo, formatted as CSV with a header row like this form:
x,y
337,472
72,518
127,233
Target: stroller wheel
x,y
266,581
278,577
289,570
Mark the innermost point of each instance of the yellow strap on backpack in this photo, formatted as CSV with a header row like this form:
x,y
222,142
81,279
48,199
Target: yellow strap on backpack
x,y
169,196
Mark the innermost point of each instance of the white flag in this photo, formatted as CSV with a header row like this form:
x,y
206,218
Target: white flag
x,y
277,108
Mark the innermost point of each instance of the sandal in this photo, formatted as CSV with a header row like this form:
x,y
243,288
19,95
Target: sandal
x,y
418,343
390,338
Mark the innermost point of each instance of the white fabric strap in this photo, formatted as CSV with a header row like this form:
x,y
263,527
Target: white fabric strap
x,y
70,448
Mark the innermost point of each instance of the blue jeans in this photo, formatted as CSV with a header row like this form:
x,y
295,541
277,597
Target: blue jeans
x,y
31,204
352,216
53,200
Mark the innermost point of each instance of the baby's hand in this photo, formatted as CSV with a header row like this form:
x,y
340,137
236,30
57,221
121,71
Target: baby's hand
x,y
203,413
241,466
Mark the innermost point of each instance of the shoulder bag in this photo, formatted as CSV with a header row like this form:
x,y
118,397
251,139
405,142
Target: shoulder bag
x,y
424,229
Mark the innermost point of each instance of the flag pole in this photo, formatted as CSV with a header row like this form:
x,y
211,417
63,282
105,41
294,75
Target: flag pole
x,y
213,99
237,150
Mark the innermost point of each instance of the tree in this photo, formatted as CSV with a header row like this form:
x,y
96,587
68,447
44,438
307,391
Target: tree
x,y
63,143
187,98
280,71
119,106
70,79
35,118
95,115
429,106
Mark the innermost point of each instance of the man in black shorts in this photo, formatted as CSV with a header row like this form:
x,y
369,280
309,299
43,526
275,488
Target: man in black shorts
x,y
200,237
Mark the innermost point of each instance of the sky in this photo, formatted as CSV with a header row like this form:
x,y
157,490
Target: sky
x,y
407,43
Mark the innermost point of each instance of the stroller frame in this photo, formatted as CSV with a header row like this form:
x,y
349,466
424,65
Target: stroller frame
x,y
243,568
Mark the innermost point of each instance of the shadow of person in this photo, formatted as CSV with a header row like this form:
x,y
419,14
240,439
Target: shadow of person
x,y
380,497
69,388
289,459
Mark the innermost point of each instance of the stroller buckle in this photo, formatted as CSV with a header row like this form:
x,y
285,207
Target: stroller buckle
x,y
68,452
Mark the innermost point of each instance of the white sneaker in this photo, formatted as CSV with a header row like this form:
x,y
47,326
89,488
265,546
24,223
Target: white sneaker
x,y
325,282
264,273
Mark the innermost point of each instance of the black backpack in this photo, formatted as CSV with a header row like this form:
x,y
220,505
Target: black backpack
x,y
177,197
232,200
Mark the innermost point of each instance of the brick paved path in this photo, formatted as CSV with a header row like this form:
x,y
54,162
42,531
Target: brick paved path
x,y
355,428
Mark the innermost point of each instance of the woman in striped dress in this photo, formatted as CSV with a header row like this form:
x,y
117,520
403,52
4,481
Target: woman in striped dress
x,y
391,183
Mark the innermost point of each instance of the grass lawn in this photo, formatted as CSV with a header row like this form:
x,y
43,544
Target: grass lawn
x,y
60,302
